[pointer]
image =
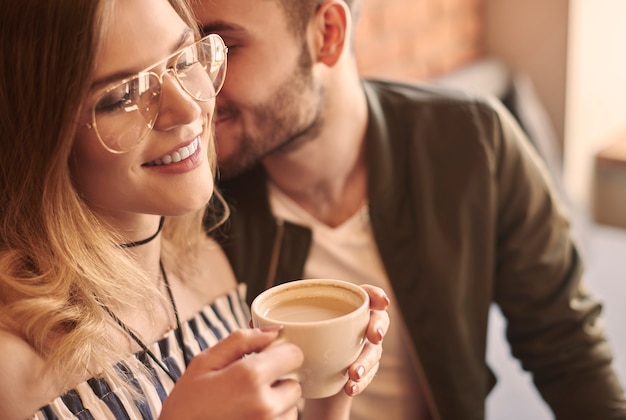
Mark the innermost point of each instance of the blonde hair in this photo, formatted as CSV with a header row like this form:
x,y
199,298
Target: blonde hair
x,y
58,261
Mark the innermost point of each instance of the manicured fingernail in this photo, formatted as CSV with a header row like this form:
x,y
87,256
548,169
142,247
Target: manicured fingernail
x,y
386,298
354,389
360,371
271,328
380,333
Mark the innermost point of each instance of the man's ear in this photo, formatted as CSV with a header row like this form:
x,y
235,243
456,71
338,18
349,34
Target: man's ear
x,y
330,28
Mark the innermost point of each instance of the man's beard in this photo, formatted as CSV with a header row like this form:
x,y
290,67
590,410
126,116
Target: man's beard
x,y
291,117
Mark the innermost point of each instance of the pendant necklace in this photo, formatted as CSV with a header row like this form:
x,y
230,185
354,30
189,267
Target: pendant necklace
x,y
178,332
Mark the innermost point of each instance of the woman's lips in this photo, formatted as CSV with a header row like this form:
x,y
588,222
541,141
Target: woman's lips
x,y
179,155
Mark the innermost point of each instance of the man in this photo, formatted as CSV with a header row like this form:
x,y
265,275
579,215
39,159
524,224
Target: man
x,y
435,196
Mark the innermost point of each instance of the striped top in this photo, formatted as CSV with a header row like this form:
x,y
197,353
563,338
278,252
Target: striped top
x,y
98,399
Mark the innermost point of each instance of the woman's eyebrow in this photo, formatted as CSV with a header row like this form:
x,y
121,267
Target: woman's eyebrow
x,y
221,26
183,39
123,74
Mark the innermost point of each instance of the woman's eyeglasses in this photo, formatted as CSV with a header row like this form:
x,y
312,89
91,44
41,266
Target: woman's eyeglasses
x,y
125,113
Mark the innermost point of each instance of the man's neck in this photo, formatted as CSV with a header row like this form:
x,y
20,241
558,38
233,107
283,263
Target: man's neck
x,y
327,176
331,200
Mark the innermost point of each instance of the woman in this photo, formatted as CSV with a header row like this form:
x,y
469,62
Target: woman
x,y
106,127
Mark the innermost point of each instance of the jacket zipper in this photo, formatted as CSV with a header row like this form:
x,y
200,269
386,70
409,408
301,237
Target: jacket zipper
x,y
278,239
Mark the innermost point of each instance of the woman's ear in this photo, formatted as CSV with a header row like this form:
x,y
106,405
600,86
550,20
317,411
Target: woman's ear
x,y
330,28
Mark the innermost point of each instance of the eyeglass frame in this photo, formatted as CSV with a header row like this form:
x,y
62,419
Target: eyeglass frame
x,y
150,70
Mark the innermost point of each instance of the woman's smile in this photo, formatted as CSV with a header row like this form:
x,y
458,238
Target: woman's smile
x,y
177,156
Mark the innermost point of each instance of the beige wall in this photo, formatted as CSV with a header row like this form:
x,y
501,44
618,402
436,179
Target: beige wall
x,y
596,112
530,36
573,50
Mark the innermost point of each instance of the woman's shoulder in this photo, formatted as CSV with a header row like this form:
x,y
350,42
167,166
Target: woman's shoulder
x,y
217,275
212,278
25,386
214,261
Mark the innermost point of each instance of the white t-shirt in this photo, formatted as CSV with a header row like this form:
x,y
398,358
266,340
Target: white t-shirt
x,y
349,252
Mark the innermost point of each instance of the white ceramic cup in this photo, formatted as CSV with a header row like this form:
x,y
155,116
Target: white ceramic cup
x,y
326,319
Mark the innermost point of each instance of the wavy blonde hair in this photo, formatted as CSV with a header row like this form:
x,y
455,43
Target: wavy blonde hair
x,y
58,261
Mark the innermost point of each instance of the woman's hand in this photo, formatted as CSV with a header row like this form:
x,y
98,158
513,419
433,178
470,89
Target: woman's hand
x,y
362,371
221,383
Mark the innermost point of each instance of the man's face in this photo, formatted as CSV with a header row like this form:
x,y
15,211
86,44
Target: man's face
x,y
269,98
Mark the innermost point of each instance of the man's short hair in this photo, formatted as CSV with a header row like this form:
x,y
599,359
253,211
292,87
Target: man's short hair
x,y
299,12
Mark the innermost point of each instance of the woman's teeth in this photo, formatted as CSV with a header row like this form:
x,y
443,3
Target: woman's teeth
x,y
181,154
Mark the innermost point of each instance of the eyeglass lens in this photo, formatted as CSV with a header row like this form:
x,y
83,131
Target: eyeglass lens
x,y
125,113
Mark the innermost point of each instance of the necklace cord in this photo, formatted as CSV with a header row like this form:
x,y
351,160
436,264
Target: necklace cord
x,y
178,332
137,340
146,240
179,329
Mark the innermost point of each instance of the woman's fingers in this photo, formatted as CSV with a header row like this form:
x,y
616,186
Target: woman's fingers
x,y
268,367
275,361
233,348
353,388
378,298
292,414
378,326
251,349
241,369
362,371
379,319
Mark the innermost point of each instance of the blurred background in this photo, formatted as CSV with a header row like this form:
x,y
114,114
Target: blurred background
x,y
560,67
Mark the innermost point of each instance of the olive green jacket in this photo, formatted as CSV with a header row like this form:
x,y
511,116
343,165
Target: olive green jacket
x,y
464,215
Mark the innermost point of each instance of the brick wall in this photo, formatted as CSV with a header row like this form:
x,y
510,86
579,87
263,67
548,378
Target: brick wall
x,y
418,39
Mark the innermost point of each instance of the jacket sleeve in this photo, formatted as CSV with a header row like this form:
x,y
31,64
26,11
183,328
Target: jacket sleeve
x,y
553,322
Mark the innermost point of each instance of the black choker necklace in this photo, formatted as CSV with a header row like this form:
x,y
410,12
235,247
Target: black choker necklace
x,y
178,332
144,241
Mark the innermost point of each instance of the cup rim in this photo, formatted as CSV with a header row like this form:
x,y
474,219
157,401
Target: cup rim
x,y
309,282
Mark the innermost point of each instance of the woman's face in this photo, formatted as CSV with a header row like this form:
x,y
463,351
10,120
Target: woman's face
x,y
139,34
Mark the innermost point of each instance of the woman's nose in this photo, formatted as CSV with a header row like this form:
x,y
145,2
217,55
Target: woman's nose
x,y
177,106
